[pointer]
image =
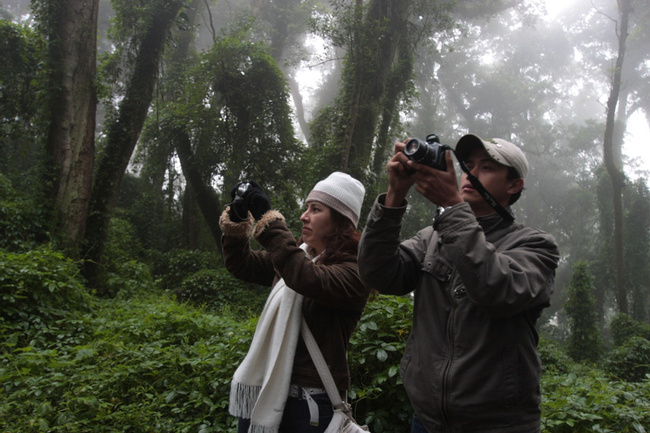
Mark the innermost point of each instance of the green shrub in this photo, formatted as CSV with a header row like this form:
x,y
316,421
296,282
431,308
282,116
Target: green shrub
x,y
554,360
376,349
217,288
21,221
122,244
623,327
631,361
38,285
174,266
139,365
129,279
585,400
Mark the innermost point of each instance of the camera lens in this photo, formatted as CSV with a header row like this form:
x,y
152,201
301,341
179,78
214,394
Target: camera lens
x,y
412,147
429,153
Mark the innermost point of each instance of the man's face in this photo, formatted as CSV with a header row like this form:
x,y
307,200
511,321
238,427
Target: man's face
x,y
493,176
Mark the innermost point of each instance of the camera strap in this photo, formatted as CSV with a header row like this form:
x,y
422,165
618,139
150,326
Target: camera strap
x,y
478,186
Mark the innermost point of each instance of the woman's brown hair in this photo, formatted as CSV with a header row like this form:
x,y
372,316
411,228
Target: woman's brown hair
x,y
342,243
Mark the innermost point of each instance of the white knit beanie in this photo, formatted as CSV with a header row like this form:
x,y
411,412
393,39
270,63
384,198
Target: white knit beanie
x,y
341,192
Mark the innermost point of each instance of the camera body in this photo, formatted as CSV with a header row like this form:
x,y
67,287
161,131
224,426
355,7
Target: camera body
x,y
429,152
242,187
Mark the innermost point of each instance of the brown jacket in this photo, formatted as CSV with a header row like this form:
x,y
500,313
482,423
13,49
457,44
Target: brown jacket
x,y
334,296
480,285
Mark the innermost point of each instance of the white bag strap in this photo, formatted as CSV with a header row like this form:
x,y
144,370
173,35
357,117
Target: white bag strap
x,y
323,370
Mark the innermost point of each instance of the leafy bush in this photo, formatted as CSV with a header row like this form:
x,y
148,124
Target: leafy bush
x,y
217,288
631,361
129,279
554,360
21,221
623,327
122,244
376,349
174,266
587,401
38,285
140,365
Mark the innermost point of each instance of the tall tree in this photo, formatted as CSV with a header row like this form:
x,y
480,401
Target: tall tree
x,y
585,342
238,126
287,22
155,156
374,33
123,130
70,28
637,249
612,151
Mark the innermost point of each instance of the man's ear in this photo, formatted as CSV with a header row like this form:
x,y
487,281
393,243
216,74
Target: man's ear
x,y
516,185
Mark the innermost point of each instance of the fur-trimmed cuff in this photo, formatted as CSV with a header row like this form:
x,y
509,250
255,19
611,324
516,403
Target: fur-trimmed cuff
x,y
263,223
233,229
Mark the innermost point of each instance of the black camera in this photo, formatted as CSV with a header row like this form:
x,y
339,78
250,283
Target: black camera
x,y
240,190
429,152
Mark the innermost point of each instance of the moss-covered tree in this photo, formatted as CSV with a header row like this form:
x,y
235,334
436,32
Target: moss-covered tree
x,y
153,21
234,123
70,31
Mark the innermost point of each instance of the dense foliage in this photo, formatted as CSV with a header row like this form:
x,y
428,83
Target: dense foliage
x,y
142,361
22,222
136,365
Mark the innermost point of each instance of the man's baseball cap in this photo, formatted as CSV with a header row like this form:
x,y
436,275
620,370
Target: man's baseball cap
x,y
500,150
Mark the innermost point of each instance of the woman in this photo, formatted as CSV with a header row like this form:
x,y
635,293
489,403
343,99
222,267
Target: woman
x,y
277,388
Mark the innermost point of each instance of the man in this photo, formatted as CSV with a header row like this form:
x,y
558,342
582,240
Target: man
x,y
480,282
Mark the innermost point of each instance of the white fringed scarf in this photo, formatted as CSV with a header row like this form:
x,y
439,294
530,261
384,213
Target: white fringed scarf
x,y
260,386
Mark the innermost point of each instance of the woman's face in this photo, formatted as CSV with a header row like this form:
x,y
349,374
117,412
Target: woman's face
x,y
317,225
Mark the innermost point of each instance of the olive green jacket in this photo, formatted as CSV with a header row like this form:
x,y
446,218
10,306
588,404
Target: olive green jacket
x,y
479,287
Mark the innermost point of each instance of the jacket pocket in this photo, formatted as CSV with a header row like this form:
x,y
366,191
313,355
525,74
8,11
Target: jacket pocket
x,y
437,267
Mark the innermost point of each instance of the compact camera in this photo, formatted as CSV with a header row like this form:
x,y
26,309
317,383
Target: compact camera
x,y
429,152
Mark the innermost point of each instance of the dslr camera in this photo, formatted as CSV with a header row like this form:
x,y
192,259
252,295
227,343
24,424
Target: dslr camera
x,y
429,152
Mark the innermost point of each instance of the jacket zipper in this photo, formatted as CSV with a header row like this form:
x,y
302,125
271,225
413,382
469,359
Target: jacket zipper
x,y
444,400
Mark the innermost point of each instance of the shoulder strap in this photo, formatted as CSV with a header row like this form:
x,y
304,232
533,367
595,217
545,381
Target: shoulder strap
x,y
321,366
478,186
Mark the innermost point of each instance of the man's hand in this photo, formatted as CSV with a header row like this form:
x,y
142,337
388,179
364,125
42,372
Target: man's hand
x,y
439,187
401,176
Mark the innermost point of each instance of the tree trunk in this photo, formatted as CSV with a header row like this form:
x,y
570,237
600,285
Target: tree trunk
x,y
70,143
372,59
122,135
206,197
613,160
396,87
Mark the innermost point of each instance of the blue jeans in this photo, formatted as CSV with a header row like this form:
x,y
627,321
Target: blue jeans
x,y
416,425
296,416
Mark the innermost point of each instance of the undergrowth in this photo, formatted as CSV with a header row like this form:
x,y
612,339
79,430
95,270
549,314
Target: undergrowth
x,y
146,364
